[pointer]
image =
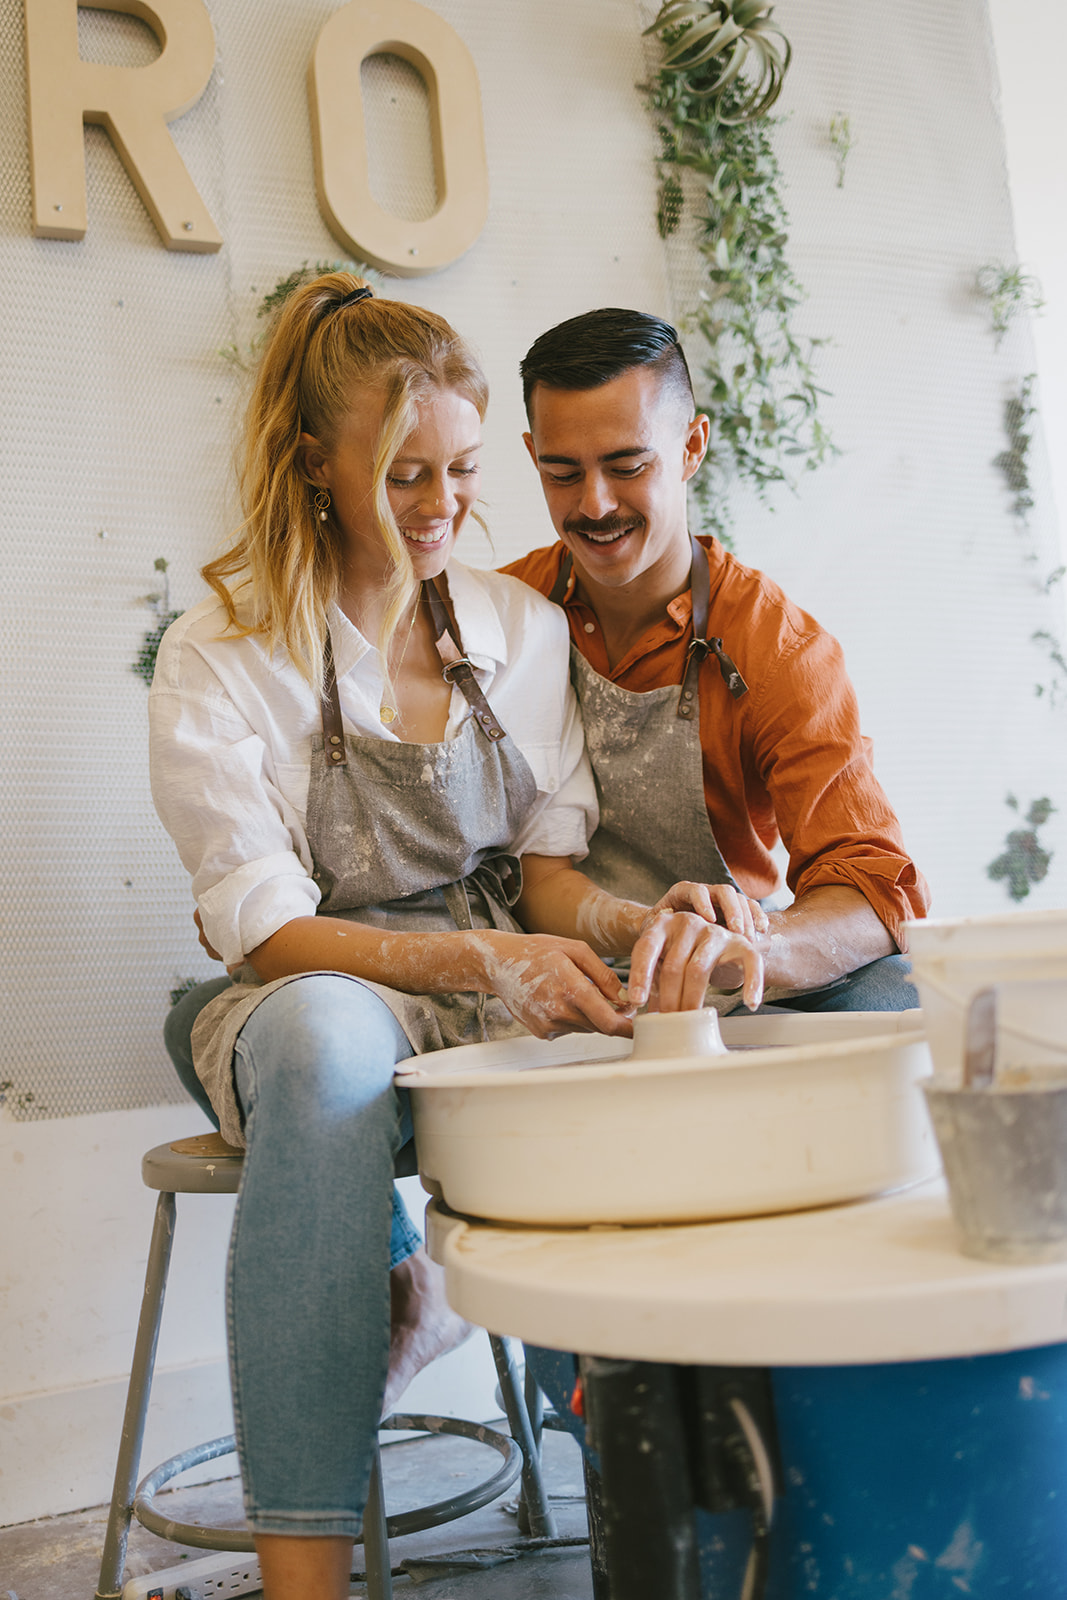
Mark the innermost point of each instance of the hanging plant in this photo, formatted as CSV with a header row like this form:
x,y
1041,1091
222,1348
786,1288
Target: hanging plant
x,y
757,381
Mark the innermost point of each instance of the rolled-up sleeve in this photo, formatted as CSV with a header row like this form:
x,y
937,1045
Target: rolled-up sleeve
x,y
214,791
832,812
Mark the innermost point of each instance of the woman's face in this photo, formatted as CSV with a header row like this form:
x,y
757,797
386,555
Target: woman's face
x,y
432,484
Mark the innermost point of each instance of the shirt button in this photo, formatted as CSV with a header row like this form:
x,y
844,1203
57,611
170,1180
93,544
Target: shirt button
x,y
590,627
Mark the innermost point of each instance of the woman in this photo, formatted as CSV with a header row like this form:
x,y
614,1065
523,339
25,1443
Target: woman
x,y
353,797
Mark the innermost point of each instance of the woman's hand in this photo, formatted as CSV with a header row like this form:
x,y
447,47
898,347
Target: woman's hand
x,y
678,953
552,985
717,902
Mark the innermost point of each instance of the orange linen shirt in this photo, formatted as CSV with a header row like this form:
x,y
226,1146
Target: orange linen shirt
x,y
786,759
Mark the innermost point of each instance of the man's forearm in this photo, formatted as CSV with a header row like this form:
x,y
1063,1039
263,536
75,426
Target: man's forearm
x,y
826,934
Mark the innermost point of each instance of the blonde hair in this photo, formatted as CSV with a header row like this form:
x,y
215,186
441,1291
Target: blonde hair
x,y
287,563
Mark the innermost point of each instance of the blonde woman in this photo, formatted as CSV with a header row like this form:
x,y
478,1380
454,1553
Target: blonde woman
x,y
371,762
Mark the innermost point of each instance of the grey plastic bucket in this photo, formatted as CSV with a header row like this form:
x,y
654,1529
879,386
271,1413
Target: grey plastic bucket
x,y
1005,1155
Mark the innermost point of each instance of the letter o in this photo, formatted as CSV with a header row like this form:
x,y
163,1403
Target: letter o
x,y
403,28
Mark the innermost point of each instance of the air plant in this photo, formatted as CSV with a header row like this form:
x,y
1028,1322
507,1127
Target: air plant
x,y
1009,290
710,43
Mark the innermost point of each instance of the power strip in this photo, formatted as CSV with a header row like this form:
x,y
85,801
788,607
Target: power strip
x,y
214,1575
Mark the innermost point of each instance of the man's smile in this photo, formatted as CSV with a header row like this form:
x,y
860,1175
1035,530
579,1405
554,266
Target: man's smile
x,y
608,531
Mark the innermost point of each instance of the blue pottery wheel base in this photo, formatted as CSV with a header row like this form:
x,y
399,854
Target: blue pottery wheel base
x,y
924,1480
918,1481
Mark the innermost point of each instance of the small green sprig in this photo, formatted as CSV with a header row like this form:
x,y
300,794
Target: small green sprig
x,y
159,603
841,141
245,357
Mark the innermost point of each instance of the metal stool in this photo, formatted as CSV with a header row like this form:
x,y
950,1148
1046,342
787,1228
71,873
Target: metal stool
x,y
205,1165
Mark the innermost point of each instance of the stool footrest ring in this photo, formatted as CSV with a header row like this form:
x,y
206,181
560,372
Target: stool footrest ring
x,y
432,1516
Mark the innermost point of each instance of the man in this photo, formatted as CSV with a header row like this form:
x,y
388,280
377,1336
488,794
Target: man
x,y
708,742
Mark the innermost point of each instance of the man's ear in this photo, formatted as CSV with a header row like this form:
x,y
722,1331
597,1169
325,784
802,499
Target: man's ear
x,y
696,445
527,440
313,461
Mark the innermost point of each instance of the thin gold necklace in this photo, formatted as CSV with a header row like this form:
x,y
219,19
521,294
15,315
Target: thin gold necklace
x,y
386,713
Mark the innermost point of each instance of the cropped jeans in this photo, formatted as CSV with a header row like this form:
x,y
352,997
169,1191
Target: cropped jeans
x,y
314,1238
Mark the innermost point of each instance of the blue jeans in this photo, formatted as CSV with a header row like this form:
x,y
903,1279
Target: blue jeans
x,y
308,1280
177,1036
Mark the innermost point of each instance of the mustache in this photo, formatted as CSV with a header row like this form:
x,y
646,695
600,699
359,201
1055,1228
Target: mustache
x,y
613,524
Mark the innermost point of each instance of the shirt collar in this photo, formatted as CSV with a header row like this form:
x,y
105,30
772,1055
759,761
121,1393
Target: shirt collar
x,y
477,618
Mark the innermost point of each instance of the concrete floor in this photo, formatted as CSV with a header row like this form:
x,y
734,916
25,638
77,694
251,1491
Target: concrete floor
x,y
478,1558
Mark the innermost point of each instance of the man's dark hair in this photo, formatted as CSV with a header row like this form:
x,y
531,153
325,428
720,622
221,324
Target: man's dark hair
x,y
589,350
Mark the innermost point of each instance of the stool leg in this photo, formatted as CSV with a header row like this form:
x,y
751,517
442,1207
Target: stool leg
x,y
376,1538
113,1560
539,1519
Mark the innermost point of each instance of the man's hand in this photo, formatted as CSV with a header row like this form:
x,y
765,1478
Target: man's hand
x,y
680,952
717,902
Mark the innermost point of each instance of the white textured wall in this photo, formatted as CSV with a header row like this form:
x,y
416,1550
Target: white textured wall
x,y
117,420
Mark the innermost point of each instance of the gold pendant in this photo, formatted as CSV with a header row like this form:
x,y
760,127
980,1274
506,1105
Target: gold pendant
x,y
387,714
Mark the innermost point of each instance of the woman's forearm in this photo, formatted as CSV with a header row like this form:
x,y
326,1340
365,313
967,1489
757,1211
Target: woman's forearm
x,y
417,963
556,898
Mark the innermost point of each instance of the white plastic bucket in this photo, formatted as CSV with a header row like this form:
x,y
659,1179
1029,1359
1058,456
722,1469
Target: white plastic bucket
x,y
953,958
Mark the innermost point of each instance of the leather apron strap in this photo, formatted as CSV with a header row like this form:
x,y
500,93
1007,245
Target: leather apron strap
x,y
700,645
456,669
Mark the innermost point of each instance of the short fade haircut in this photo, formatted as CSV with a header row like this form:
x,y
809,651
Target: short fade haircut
x,y
596,347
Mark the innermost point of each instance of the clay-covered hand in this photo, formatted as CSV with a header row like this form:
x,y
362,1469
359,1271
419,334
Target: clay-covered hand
x,y
717,902
552,985
677,955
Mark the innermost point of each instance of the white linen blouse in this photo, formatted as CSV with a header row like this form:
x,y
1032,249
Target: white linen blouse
x,y
231,725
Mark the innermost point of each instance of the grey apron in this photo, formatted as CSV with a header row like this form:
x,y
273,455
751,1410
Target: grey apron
x,y
649,769
409,837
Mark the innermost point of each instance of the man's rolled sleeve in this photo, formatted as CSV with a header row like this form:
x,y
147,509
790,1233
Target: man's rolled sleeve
x,y
832,812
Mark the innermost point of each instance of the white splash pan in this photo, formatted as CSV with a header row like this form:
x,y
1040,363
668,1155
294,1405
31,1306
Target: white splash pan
x,y
804,1110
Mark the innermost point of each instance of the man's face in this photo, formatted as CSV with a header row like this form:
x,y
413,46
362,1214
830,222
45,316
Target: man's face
x,y
614,462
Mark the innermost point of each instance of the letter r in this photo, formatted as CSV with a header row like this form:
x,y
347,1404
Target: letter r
x,y
134,104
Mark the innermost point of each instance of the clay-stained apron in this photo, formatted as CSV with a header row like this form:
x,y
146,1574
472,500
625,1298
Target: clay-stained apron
x,y
405,837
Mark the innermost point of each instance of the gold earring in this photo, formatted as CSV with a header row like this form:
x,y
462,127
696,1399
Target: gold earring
x,y
322,503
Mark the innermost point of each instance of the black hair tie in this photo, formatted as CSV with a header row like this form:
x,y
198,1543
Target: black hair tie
x,y
350,299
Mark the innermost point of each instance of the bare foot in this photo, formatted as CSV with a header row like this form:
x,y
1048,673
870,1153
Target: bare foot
x,y
422,1324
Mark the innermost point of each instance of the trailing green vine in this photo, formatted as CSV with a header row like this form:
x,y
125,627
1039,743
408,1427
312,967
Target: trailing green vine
x,y
1024,861
1014,462
757,381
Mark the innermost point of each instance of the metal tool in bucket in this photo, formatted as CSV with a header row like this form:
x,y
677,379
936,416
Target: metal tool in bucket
x,y
1003,1139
